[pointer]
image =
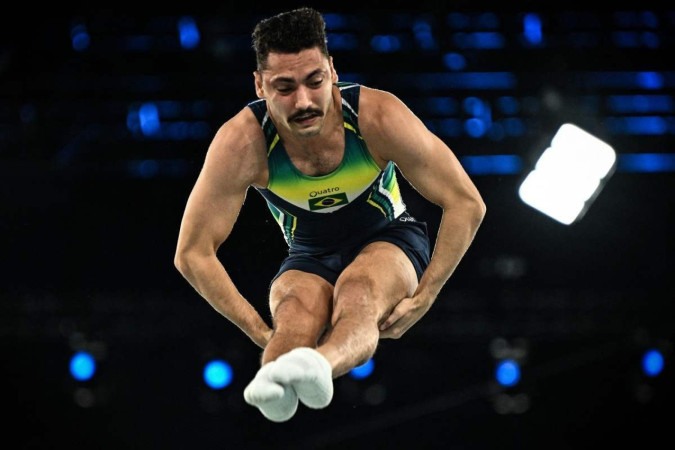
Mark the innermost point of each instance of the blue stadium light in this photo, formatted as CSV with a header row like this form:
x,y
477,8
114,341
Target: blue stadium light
x,y
646,162
454,61
479,39
652,362
423,35
385,43
363,371
79,38
476,107
644,125
476,127
148,116
650,80
624,80
82,366
626,104
492,164
454,81
532,29
188,33
218,374
508,372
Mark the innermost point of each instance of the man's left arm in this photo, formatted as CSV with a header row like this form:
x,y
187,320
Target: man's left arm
x,y
431,167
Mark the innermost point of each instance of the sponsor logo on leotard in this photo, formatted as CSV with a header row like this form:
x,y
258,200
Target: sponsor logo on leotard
x,y
324,191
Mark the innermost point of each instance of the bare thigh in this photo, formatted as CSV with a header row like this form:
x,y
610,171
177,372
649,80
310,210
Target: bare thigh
x,y
301,303
375,282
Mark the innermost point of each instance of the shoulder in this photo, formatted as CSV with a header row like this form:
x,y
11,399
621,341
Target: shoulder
x,y
387,124
239,146
242,127
379,109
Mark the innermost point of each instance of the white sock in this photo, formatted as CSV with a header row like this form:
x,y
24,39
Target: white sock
x,y
309,373
276,402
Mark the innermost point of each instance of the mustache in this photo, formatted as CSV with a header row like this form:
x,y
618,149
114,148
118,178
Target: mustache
x,y
305,112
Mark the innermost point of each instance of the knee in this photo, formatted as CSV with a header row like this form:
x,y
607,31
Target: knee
x,y
290,307
293,316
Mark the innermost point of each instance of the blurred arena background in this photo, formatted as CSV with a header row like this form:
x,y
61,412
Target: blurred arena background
x,y
105,118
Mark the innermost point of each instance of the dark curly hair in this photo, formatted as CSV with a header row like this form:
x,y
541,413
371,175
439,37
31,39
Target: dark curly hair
x,y
289,32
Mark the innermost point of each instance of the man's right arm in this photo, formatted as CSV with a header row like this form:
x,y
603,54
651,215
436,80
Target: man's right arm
x,y
234,161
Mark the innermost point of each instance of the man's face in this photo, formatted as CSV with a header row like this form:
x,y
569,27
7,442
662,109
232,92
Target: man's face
x,y
298,90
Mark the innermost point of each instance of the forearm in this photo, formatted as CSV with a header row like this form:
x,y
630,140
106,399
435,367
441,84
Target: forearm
x,y
210,279
456,232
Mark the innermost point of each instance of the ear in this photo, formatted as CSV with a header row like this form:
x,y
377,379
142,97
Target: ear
x,y
257,79
333,72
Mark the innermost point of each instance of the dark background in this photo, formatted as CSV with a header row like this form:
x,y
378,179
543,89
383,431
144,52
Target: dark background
x,y
88,238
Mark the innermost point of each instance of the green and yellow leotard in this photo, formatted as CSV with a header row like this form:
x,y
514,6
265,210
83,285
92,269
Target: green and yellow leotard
x,y
319,213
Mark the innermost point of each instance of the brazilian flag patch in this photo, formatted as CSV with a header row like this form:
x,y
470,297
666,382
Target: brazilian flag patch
x,y
327,201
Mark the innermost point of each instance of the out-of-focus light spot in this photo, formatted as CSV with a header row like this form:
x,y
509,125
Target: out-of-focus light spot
x,y
218,374
508,372
647,125
652,363
650,80
623,104
82,366
492,164
79,38
148,115
363,371
423,35
569,175
532,29
475,127
188,33
479,39
426,81
385,43
454,61
474,106
646,162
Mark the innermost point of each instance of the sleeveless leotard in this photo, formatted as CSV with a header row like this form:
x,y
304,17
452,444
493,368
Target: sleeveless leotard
x,y
318,214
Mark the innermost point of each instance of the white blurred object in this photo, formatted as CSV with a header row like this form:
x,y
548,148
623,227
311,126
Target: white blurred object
x,y
569,175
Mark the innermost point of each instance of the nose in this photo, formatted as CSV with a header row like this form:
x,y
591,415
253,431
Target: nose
x,y
302,99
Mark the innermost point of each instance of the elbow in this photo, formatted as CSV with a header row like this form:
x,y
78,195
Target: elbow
x,y
476,209
480,209
181,261
191,260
